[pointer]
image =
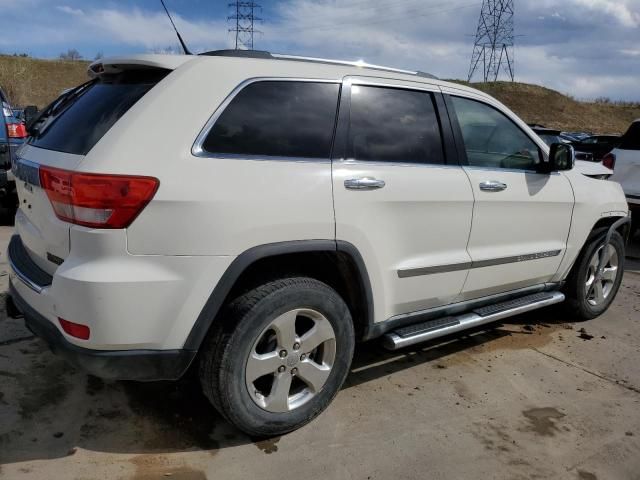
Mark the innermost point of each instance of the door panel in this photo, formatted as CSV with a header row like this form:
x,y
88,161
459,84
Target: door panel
x,y
522,229
521,218
412,213
421,218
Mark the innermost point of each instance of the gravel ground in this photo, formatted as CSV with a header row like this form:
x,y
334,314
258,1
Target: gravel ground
x,y
535,397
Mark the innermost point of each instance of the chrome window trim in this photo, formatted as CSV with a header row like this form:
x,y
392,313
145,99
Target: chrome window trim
x,y
511,170
455,267
353,161
197,149
351,80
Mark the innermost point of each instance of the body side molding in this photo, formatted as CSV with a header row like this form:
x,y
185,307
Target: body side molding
x,y
414,272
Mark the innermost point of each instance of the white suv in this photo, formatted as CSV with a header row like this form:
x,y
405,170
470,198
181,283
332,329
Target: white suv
x,y
625,161
255,215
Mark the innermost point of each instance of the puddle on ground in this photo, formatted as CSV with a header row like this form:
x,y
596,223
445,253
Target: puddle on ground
x,y
542,421
269,445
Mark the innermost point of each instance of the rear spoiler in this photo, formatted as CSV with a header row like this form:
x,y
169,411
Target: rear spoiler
x,y
113,65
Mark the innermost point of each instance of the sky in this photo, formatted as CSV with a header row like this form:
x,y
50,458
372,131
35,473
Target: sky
x,y
585,48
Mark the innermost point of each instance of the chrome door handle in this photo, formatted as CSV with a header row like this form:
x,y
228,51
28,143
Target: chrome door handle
x,y
493,186
364,183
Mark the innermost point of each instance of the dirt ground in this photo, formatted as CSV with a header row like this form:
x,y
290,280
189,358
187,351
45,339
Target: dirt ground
x,y
537,397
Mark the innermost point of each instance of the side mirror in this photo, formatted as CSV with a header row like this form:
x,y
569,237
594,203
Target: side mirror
x,y
562,156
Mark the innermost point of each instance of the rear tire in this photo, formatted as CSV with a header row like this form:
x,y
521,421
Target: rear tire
x,y
280,356
586,297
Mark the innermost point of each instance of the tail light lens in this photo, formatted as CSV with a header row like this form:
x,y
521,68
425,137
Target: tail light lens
x,y
16,130
97,200
75,329
609,161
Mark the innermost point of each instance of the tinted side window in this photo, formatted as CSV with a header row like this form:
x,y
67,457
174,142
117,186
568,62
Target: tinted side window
x,y
276,118
491,139
393,125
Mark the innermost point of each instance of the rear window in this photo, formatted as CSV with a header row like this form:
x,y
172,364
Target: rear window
x,y
631,139
79,118
277,119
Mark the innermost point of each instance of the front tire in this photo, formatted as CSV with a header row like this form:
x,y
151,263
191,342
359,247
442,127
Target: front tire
x,y
587,295
279,358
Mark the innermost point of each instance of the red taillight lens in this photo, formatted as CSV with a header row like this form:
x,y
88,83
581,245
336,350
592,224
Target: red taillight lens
x,y
609,161
75,329
97,200
16,130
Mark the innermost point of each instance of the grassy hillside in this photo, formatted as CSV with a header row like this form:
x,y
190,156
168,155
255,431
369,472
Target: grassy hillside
x,y
536,104
30,81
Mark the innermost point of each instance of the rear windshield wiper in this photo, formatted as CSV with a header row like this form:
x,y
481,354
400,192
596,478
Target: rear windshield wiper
x,y
42,121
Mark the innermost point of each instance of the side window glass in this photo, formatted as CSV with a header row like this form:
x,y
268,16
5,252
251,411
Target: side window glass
x,y
277,118
393,125
491,139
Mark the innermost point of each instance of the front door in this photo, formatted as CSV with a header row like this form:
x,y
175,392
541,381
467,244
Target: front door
x,y
521,217
397,200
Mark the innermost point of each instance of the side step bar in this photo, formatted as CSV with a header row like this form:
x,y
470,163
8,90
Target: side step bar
x,y
421,332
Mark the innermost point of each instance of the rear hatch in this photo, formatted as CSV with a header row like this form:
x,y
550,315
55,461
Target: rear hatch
x,y
60,138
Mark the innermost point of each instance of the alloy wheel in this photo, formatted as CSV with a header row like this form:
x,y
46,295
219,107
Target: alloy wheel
x,y
597,288
291,360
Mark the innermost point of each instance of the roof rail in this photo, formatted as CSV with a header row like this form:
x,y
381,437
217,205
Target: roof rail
x,y
280,56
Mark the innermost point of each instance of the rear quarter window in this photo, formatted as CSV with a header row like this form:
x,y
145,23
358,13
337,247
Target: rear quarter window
x,y
77,120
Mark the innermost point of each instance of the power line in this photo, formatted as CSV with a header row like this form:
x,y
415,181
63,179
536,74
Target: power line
x,y
244,15
493,46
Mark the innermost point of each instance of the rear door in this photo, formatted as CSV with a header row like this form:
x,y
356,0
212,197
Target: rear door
x,y
397,198
62,136
521,218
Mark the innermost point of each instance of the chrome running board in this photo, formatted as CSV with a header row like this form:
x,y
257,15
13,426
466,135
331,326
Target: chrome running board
x,y
421,332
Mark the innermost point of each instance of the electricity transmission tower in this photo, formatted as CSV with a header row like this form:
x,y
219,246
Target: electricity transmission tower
x,y
493,47
244,15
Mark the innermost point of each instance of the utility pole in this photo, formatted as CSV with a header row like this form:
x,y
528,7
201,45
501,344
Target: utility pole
x,y
244,15
493,47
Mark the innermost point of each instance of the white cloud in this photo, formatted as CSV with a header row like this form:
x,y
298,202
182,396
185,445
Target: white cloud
x,y
621,10
70,10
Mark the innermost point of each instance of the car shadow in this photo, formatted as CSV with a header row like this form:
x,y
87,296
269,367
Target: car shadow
x,y
48,409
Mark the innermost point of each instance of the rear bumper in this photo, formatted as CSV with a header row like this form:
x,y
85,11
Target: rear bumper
x,y
140,365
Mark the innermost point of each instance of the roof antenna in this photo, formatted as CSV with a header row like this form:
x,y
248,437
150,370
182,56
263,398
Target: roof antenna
x,y
184,46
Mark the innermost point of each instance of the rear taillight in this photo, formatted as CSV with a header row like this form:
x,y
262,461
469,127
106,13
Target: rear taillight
x,y
609,161
97,200
16,130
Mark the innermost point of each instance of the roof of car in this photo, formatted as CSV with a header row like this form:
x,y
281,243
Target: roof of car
x,y
337,67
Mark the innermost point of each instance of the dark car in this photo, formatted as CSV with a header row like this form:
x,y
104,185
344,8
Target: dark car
x,y
12,134
551,136
598,145
574,136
